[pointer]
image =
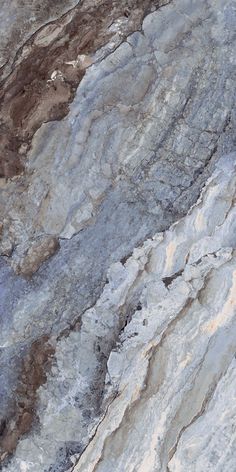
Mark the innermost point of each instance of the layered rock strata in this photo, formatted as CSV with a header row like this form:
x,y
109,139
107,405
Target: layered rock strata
x,y
172,371
117,288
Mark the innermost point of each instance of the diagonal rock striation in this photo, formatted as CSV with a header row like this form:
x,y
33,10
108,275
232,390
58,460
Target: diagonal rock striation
x,y
169,366
49,66
117,249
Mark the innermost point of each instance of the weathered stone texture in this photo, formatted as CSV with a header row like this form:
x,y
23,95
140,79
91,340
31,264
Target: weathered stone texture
x,y
117,288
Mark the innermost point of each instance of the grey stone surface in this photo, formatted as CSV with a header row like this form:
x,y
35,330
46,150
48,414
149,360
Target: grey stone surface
x,y
145,130
173,368
164,368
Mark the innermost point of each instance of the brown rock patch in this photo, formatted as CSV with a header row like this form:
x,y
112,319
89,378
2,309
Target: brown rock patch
x,y
35,365
37,253
42,84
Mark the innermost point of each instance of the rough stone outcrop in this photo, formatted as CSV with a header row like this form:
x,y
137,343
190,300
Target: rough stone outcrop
x,y
117,205
174,361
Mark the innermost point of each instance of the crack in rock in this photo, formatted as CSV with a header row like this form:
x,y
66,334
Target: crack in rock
x,y
117,270
49,68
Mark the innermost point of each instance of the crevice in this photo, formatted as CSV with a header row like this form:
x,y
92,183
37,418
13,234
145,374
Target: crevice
x,y
205,403
213,152
43,83
29,41
150,355
35,366
168,280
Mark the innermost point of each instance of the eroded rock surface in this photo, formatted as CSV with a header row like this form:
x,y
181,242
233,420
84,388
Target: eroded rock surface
x,y
117,310
175,356
49,66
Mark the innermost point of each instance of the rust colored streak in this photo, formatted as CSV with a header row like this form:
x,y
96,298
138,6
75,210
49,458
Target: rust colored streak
x,y
29,97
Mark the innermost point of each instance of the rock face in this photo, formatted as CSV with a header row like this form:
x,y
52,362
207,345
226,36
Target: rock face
x,y
118,262
173,365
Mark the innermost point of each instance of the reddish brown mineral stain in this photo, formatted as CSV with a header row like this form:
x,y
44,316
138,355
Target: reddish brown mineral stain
x,y
33,374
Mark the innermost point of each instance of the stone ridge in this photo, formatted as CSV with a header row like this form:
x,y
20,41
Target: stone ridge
x,y
170,366
109,283
49,67
142,352
147,147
